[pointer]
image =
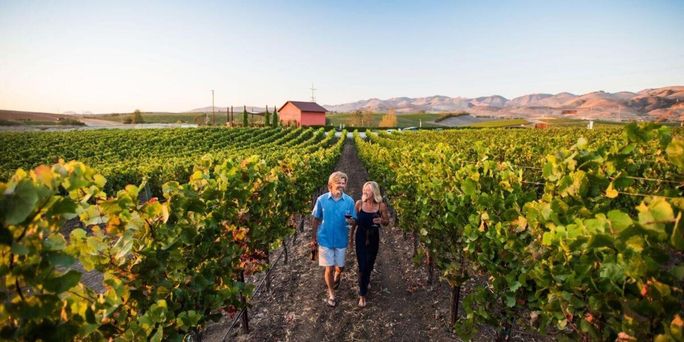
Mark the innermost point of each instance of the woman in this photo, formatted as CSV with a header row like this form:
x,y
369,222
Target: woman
x,y
371,212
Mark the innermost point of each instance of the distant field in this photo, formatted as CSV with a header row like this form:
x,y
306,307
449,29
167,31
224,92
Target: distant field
x,y
188,117
426,120
499,123
565,122
403,120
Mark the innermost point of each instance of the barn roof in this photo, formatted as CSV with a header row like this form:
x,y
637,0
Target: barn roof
x,y
305,106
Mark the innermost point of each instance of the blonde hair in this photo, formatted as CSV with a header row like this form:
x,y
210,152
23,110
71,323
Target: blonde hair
x,y
336,177
377,196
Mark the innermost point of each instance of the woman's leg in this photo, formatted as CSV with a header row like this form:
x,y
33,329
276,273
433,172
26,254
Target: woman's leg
x,y
372,252
362,259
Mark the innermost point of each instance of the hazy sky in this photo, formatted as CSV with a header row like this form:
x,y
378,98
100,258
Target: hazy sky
x,y
116,56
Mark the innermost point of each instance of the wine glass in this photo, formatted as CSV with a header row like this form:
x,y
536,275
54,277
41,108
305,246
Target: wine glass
x,y
347,216
376,215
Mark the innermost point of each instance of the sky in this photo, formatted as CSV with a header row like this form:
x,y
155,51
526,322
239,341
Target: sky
x,y
118,56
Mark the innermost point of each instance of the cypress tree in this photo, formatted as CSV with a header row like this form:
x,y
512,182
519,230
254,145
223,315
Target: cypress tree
x,y
275,119
245,119
267,118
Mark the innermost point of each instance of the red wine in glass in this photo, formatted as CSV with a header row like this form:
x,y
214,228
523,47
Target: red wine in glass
x,y
376,215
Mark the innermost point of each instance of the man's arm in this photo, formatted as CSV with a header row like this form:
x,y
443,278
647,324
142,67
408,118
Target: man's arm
x,y
357,205
384,214
315,222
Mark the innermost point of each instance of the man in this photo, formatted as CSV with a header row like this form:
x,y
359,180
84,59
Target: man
x,y
331,231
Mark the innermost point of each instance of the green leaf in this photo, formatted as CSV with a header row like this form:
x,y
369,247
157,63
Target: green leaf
x,y
20,203
654,216
619,220
515,286
60,259
63,206
99,180
636,243
19,248
469,187
187,320
158,311
122,248
635,133
510,301
661,210
63,283
664,289
675,152
547,172
54,242
612,272
678,272
581,142
158,335
600,240
628,149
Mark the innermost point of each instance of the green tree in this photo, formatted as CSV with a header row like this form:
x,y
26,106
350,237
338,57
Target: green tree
x,y
136,117
245,118
275,120
267,118
367,118
356,119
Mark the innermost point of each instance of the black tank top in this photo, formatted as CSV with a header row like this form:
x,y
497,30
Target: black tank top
x,y
365,220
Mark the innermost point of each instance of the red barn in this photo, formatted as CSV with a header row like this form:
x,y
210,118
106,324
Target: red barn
x,y
302,114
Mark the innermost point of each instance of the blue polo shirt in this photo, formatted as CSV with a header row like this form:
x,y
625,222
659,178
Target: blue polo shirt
x,y
333,231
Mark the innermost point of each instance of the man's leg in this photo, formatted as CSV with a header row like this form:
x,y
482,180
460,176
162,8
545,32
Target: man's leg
x,y
329,281
338,272
339,254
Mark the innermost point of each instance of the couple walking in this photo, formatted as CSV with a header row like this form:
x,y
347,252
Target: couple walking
x,y
334,214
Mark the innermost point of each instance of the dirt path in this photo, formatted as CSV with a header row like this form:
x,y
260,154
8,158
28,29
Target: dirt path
x,y
400,306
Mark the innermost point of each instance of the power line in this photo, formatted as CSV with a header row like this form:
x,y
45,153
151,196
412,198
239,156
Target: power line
x,y
313,98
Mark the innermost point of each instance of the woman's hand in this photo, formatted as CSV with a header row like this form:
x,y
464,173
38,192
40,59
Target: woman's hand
x,y
350,221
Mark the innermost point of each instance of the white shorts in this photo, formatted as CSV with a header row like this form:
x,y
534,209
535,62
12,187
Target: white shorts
x,y
331,256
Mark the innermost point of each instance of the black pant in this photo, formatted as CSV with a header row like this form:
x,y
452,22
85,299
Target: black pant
x,y
365,255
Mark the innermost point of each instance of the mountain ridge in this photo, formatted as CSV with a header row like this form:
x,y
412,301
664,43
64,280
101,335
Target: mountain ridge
x,y
652,104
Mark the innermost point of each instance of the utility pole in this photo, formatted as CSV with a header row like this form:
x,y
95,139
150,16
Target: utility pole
x,y
619,114
213,111
313,98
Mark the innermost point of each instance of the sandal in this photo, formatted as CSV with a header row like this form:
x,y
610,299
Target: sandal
x,y
331,302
